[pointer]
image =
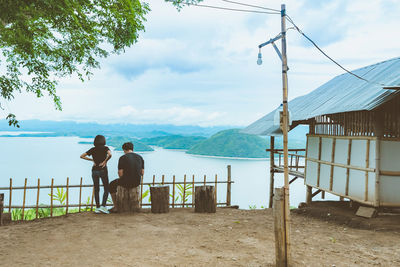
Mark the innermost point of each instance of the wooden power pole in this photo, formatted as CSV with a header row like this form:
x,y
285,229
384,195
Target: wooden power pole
x,y
285,129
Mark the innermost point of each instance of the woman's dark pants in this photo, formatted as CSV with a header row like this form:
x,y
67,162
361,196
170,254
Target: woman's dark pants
x,y
96,175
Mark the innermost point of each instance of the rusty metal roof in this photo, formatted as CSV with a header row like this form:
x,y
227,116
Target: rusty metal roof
x,y
343,93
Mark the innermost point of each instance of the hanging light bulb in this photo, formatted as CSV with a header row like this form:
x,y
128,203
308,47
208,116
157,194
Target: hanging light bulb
x,y
259,60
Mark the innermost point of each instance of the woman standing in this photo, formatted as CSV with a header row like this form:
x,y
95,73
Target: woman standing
x,y
100,155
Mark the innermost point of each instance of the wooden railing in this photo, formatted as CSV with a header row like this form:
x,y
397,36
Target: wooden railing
x,y
187,187
295,163
294,159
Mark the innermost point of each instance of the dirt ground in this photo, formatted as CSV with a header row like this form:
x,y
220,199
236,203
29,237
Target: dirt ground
x,y
183,238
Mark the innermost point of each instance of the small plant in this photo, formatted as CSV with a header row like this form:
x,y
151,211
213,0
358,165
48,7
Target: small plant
x,y
60,196
145,194
183,190
252,207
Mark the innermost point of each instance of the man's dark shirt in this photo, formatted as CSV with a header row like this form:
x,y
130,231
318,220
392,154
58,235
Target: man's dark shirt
x,y
132,164
99,154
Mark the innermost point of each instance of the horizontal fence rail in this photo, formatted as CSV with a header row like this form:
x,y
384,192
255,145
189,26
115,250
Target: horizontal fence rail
x,y
294,159
182,194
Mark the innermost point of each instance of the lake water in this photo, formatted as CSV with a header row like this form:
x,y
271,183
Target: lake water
x,y
58,158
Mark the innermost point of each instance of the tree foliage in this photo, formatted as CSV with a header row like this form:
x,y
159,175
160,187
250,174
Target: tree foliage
x,y
42,41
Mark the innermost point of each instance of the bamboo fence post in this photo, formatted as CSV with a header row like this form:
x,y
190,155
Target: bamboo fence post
x,y
184,191
173,191
9,207
91,204
154,179
205,178
37,198
67,196
141,191
1,208
80,195
228,187
215,193
51,197
23,203
162,181
193,191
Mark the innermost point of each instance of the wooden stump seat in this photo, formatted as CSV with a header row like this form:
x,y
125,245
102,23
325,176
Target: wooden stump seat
x,y
159,199
128,199
205,200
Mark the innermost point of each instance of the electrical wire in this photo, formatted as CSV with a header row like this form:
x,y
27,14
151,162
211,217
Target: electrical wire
x,y
235,9
326,55
275,12
243,4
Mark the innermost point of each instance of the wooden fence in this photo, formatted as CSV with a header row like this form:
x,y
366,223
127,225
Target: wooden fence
x,y
188,182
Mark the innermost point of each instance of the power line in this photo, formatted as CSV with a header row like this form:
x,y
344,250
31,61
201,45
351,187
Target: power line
x,y
275,12
326,55
235,9
243,4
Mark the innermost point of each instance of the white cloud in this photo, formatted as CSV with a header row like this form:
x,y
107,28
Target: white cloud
x,y
198,66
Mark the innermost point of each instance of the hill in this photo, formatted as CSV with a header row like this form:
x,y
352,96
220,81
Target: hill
x,y
232,143
173,141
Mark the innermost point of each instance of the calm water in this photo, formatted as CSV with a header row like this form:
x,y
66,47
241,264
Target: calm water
x,y
58,158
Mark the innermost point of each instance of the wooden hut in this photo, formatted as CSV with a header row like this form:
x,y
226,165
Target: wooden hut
x,y
353,145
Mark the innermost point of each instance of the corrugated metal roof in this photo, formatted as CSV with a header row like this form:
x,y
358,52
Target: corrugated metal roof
x,y
343,93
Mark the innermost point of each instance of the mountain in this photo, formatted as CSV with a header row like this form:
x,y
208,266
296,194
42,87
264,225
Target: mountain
x,y
232,143
173,141
85,129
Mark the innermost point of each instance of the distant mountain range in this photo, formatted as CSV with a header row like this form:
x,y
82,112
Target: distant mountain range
x,y
208,141
83,129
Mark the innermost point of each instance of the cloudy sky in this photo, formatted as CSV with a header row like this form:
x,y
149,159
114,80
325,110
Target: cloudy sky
x,y
198,66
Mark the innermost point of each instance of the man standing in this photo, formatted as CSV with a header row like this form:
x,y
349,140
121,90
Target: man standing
x,y
130,172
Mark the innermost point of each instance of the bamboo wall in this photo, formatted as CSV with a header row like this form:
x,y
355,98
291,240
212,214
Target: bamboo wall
x,y
360,123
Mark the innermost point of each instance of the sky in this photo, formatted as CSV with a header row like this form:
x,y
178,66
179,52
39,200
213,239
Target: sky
x,y
198,66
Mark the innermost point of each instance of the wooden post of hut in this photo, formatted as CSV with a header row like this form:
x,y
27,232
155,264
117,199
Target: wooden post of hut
x,y
205,199
159,199
128,199
271,171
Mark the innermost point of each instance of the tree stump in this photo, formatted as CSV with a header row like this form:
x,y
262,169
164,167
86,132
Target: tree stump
x,y
205,199
159,199
128,199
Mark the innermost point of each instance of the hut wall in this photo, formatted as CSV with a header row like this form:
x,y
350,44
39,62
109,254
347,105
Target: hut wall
x,y
345,166
340,165
390,164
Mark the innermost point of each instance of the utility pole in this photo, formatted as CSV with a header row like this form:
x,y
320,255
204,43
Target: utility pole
x,y
285,128
282,212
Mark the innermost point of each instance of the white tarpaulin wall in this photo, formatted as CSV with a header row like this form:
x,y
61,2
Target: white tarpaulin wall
x,y
345,166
